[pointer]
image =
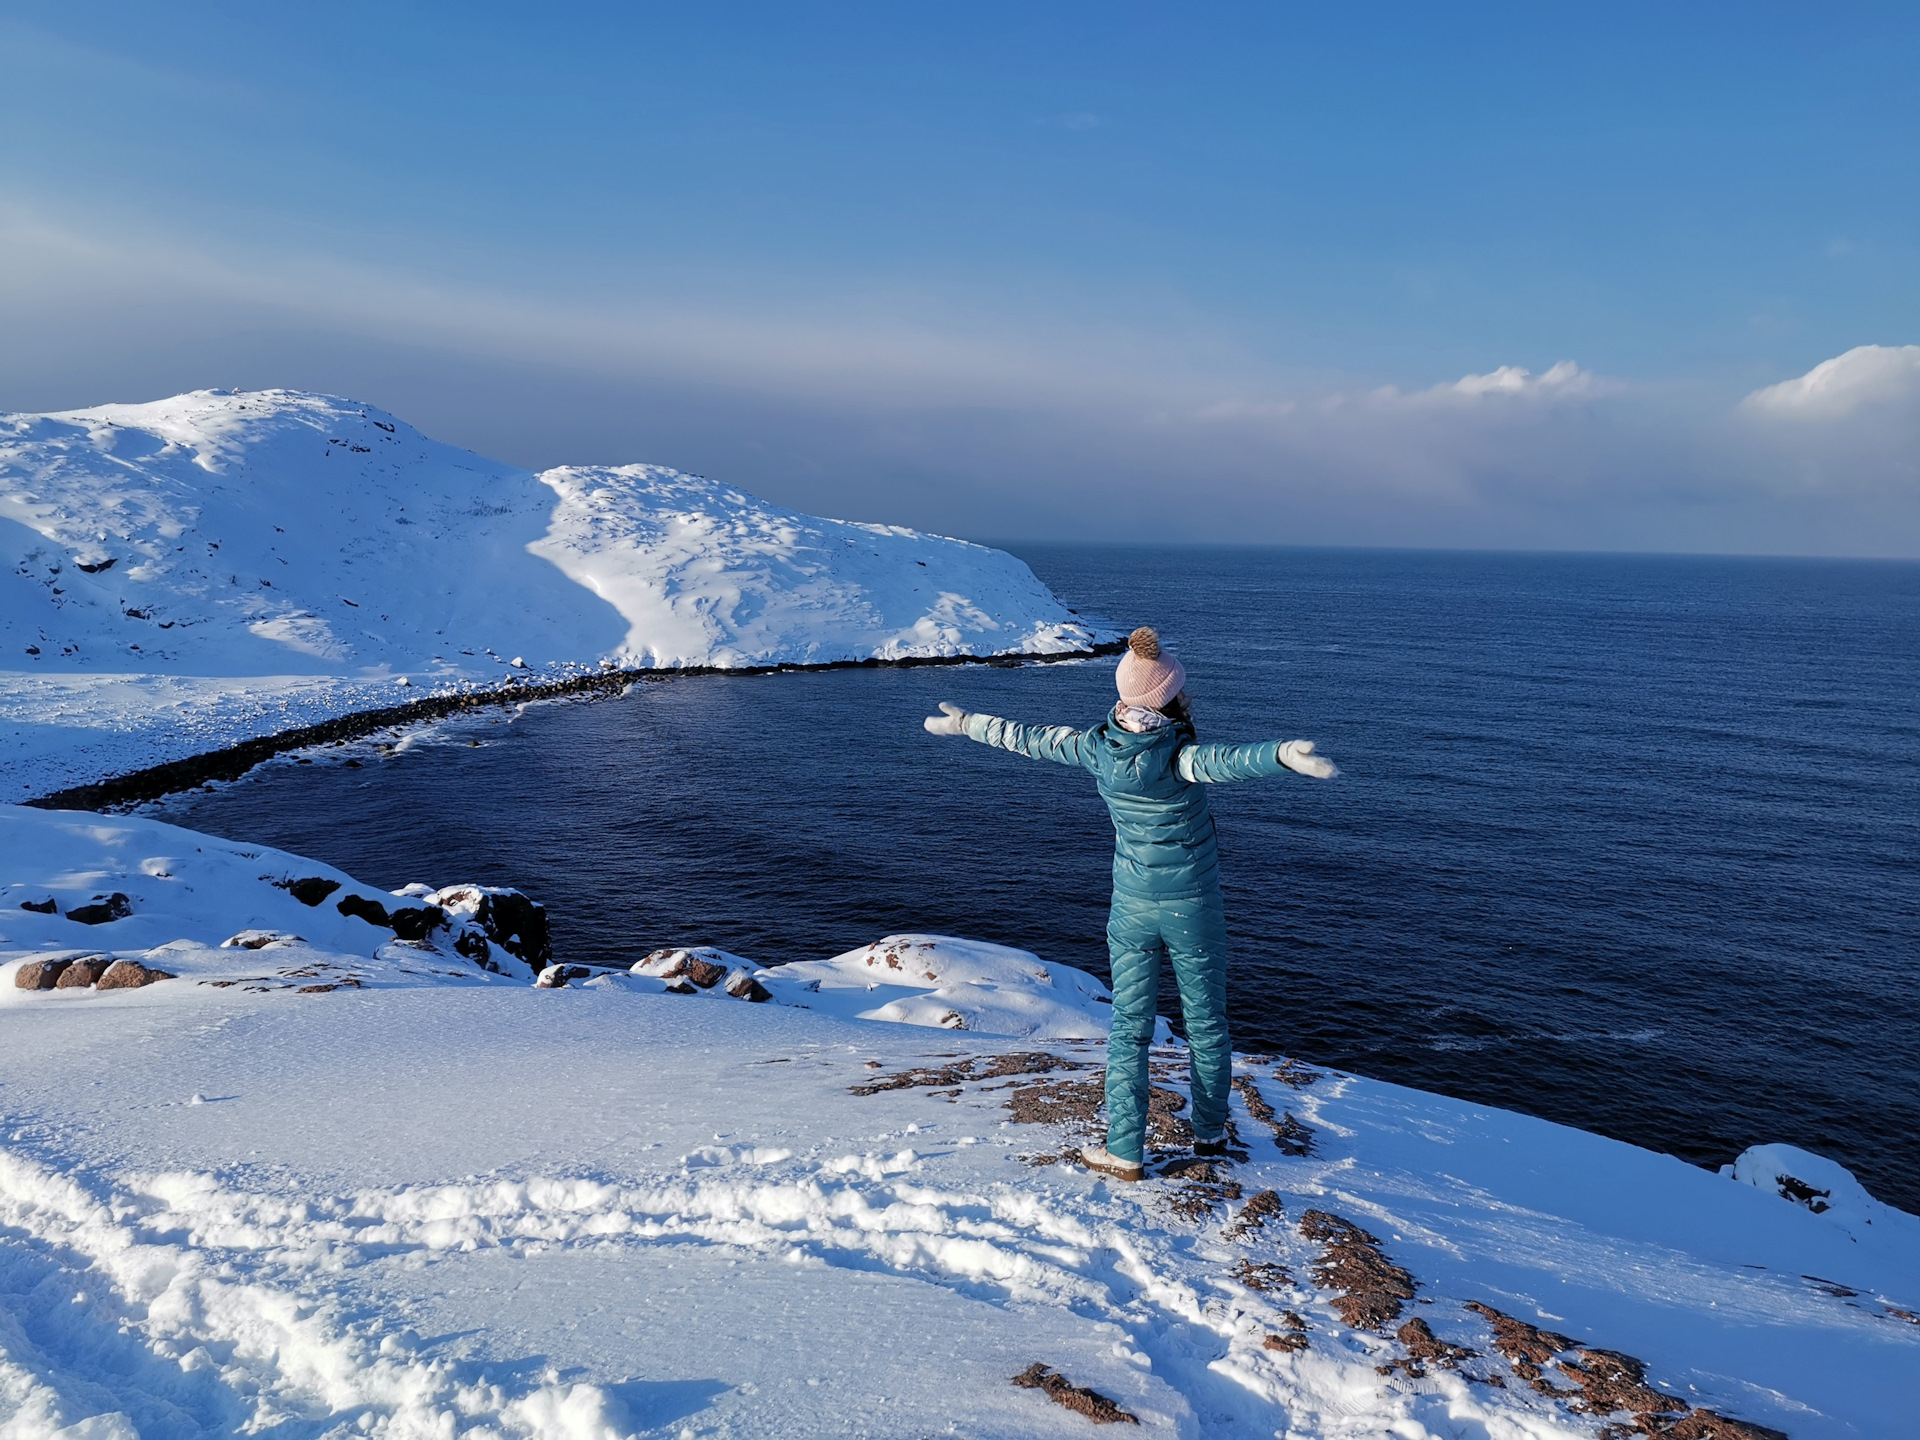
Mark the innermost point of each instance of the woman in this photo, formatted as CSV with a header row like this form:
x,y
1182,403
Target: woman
x,y
1166,878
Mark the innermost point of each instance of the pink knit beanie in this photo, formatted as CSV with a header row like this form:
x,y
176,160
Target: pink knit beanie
x,y
1147,677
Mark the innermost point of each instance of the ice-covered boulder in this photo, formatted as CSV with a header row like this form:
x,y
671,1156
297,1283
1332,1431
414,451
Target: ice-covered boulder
x,y
1829,1190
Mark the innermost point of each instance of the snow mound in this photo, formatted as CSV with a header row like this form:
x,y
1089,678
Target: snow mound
x,y
78,887
272,533
705,574
951,984
1829,1190
276,532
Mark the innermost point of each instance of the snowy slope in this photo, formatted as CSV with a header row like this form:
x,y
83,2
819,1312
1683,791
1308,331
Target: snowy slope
x,y
939,981
475,1208
708,575
231,546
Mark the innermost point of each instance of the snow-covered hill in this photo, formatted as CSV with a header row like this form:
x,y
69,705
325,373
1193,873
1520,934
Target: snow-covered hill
x,y
235,536
353,1184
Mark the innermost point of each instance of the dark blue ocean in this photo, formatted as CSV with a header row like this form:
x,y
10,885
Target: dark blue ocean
x,y
1628,843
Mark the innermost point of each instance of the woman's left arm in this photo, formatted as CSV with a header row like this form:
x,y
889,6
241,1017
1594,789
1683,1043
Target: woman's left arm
x,y
1213,764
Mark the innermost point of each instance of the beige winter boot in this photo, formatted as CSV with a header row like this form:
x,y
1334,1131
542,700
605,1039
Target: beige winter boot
x,y
1099,1159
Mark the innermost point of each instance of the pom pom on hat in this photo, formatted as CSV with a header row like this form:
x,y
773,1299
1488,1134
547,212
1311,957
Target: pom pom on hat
x,y
1148,676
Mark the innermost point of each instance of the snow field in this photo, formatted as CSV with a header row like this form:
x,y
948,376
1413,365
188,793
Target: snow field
x,y
563,1190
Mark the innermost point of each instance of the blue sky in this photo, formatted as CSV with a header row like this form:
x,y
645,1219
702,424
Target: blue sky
x,y
1018,270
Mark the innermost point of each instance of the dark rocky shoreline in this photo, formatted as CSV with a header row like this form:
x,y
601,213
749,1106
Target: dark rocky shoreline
x,y
232,761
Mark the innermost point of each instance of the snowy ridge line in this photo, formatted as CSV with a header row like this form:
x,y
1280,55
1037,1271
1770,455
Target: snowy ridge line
x,y
233,761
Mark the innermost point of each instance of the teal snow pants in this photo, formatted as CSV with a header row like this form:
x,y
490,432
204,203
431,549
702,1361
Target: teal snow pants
x,y
1193,934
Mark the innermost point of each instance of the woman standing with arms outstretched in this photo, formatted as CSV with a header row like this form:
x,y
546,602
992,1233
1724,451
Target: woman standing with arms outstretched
x,y
1166,878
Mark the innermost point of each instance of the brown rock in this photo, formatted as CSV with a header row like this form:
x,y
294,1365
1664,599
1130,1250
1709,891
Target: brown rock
x,y
704,973
130,975
1077,1398
39,974
742,986
79,974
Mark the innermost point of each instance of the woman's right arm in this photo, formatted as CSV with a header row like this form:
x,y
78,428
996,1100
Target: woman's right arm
x,y
1061,744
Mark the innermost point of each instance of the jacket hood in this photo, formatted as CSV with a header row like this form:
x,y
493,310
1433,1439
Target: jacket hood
x,y
1129,742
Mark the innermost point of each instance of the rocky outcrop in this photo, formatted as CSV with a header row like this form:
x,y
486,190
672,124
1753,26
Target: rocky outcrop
x,y
371,911
416,922
515,922
310,890
81,972
104,908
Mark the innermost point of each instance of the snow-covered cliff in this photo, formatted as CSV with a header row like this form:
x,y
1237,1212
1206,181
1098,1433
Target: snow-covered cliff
x,y
166,558
330,1178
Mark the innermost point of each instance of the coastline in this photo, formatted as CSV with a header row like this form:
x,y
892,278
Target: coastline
x,y
230,762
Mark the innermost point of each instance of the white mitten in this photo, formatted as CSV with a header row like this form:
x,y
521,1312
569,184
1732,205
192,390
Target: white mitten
x,y
1298,756
953,722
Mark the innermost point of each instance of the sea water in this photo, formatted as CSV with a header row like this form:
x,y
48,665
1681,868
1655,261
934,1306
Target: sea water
x,y
1628,843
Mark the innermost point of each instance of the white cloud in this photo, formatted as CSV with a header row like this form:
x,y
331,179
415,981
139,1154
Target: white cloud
x,y
1563,381
1867,375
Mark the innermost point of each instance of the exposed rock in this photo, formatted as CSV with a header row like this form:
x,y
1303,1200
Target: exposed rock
x,y
742,986
556,977
47,906
130,975
1289,1134
1255,1214
967,1069
1296,1076
1608,1383
1263,1276
472,942
1082,1401
416,922
705,973
104,908
1425,1349
371,911
81,973
1372,1289
310,890
40,974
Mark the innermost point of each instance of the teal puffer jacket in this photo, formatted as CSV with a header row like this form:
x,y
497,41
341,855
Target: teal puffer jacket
x,y
1155,788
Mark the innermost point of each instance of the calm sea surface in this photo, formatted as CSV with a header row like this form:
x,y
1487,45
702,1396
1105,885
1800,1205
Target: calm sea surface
x,y
1628,843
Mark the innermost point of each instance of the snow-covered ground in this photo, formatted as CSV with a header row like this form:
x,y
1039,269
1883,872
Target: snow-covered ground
x,y
443,1202
214,566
